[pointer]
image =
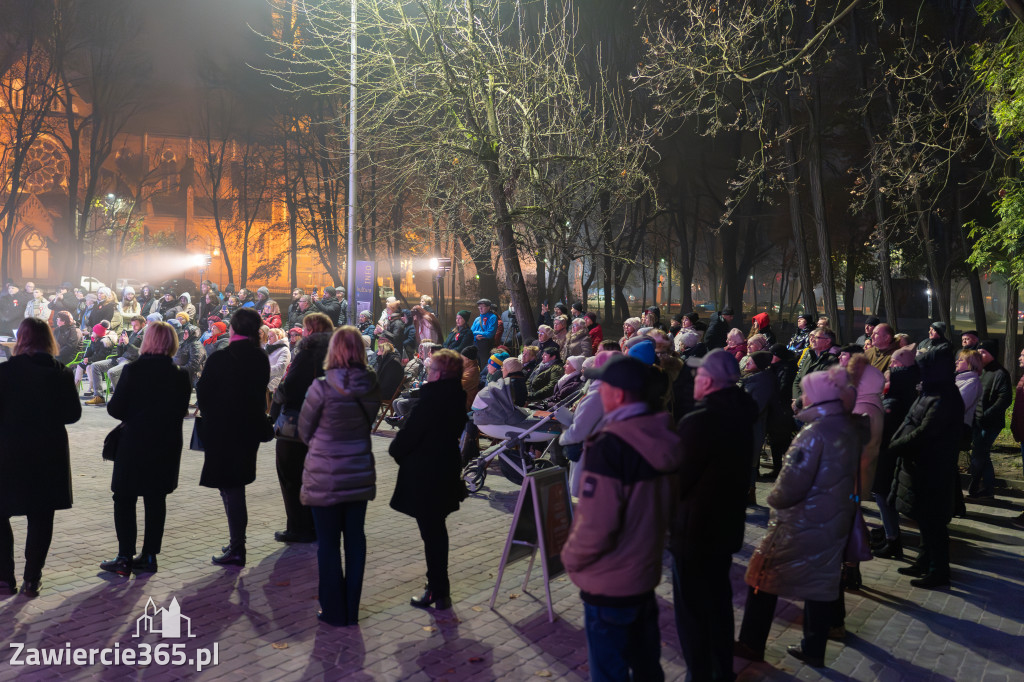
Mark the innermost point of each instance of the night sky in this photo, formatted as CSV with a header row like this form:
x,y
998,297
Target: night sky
x,y
178,35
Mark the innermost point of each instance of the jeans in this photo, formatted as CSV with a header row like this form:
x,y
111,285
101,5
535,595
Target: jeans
x,y
291,457
341,588
435,546
624,643
238,514
96,370
983,475
126,527
702,598
37,544
890,517
759,613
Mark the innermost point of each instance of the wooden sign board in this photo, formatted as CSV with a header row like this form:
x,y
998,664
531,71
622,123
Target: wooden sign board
x,y
541,522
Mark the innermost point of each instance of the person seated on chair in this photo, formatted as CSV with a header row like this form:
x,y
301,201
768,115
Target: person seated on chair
x,y
69,338
541,383
512,373
103,342
530,359
190,354
470,374
570,382
494,366
402,406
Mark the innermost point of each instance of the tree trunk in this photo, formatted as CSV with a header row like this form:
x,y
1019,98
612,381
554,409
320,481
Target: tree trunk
x,y
1010,347
935,272
814,161
850,284
795,216
606,231
515,283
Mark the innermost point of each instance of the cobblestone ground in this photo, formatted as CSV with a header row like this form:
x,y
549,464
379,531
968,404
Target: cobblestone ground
x,y
261,618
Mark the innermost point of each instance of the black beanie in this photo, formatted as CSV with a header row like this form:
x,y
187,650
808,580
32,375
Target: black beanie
x,y
991,345
470,352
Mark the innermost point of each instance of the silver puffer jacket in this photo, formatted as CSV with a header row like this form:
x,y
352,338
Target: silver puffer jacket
x,y
812,509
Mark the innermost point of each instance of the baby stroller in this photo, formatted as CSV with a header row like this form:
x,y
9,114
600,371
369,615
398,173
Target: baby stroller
x,y
524,434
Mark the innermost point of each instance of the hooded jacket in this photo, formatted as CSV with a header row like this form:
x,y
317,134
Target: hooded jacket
x,y
614,550
335,423
812,507
191,354
280,355
969,384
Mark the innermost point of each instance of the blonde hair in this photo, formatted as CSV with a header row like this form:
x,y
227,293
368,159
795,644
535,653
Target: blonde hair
x,y
346,349
35,336
277,334
159,339
264,335
446,364
426,299
385,346
973,359
275,309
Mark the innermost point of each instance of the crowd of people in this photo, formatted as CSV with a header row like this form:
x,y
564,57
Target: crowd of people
x,y
663,439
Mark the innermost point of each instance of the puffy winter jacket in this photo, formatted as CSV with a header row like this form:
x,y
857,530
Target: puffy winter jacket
x,y
541,383
812,508
996,395
280,355
335,422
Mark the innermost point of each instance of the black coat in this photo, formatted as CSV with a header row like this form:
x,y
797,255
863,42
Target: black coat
x,y
307,365
459,339
151,401
390,375
897,401
37,398
927,444
717,438
427,451
996,396
329,306
70,342
232,396
718,330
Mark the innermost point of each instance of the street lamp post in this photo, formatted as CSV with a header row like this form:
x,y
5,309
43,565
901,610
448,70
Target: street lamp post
x,y
350,267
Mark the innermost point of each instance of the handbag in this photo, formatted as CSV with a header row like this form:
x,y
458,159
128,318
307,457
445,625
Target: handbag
x,y
111,442
858,542
196,443
287,426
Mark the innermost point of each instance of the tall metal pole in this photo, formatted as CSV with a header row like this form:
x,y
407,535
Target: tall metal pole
x,y
350,266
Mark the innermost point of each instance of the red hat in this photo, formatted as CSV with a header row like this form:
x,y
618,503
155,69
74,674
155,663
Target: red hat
x,y
99,330
220,327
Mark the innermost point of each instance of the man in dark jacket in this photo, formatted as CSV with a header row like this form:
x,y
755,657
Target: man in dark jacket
x,y
816,358
780,424
328,305
716,439
299,312
718,328
936,337
614,549
989,420
927,445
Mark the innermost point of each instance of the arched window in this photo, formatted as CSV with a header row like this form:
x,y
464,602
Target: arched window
x,y
35,257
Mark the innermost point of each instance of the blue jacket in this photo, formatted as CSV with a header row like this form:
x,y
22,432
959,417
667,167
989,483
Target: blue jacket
x,y
485,324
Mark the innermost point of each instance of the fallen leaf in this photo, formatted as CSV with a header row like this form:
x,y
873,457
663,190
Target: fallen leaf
x,y
514,595
543,673
429,628
478,608
476,659
283,583
280,645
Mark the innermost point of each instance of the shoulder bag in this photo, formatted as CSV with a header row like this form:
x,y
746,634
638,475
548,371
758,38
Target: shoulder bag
x,y
111,442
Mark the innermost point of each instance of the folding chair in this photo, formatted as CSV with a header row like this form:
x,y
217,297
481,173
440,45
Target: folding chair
x,y
387,406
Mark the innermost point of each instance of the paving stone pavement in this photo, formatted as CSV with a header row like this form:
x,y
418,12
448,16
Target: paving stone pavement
x,y
261,618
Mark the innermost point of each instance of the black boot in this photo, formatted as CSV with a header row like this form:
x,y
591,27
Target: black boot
x,y
430,598
851,577
30,588
144,563
121,565
893,549
932,580
232,556
8,586
877,537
